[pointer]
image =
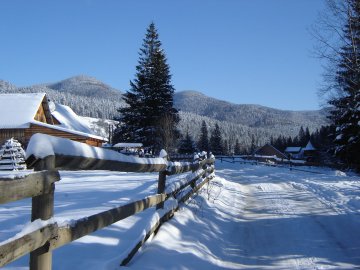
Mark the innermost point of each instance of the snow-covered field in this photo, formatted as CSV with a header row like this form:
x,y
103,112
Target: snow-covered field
x,y
249,217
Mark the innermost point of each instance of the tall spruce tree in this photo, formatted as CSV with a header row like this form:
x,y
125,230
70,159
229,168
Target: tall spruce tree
x,y
338,34
216,143
149,116
237,148
203,142
345,112
187,145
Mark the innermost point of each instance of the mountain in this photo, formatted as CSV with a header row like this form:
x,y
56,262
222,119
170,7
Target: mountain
x,y
87,96
90,97
256,116
85,86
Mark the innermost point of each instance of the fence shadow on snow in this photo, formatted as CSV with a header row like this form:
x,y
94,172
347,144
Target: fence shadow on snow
x,y
46,155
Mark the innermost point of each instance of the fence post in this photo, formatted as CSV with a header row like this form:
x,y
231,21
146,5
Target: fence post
x,y
43,208
162,180
196,159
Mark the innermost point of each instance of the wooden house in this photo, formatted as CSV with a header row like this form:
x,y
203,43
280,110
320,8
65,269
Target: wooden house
x,y
307,153
293,151
22,115
270,151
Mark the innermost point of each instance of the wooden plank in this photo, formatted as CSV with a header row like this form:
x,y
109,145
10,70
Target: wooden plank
x,y
186,166
34,184
63,162
157,225
198,187
43,208
180,167
98,221
154,229
161,187
191,182
17,248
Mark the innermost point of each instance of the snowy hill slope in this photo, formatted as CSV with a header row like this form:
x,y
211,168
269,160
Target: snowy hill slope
x,y
85,86
246,114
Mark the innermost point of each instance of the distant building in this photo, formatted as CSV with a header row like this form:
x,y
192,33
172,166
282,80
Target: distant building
x,y
308,152
293,151
270,151
22,115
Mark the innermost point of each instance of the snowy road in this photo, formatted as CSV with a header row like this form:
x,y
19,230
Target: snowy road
x,y
265,218
248,217
283,226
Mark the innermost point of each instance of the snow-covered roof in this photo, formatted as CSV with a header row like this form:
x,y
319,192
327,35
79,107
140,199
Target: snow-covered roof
x,y
134,145
309,147
292,149
60,128
69,122
69,119
18,110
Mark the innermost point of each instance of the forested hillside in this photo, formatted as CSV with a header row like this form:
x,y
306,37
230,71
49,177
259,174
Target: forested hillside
x,y
248,114
90,97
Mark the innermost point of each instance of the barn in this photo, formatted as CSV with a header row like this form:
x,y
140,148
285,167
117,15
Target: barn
x,y
22,115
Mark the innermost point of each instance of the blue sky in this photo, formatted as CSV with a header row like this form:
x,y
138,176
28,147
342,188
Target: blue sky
x,y
242,51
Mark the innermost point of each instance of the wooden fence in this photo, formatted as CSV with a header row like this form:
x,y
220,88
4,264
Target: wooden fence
x,y
40,186
268,161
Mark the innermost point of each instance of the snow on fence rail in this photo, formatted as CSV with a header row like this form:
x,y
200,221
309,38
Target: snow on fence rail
x,y
49,154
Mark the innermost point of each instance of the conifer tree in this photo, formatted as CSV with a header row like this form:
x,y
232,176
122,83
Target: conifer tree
x,y
302,137
187,145
345,112
338,35
253,145
237,149
216,144
226,148
150,99
203,143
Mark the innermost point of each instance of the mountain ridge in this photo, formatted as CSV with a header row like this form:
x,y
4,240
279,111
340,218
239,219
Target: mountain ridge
x,y
90,97
252,115
200,94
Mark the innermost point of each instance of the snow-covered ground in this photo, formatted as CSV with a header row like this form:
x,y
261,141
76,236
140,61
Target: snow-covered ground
x,y
248,217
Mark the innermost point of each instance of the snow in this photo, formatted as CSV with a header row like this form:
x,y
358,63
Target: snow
x,y
99,126
42,145
9,109
131,145
29,228
61,128
247,217
69,120
163,153
339,137
309,147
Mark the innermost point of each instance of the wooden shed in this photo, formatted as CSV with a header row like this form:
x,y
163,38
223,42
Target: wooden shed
x,y
22,115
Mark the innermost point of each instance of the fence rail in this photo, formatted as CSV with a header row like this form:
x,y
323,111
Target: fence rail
x,y
293,165
40,186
